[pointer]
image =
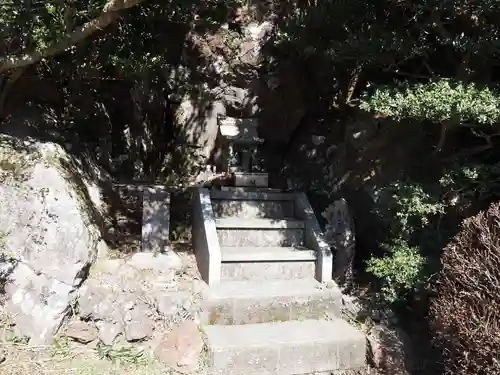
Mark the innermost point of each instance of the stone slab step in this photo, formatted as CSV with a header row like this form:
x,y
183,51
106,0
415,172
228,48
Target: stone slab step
x,y
238,189
241,223
253,209
266,254
287,348
247,195
257,237
290,270
251,302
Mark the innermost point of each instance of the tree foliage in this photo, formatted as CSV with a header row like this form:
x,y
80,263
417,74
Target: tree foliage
x,y
440,101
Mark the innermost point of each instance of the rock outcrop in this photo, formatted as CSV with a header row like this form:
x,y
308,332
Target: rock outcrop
x,y
224,68
50,221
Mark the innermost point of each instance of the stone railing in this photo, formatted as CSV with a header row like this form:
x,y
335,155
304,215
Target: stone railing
x,y
205,240
313,237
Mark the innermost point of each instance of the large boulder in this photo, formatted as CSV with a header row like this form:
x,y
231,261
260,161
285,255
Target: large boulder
x,y
50,224
196,120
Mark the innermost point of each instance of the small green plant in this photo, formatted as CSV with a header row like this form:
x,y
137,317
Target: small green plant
x,y
122,355
406,207
400,270
474,182
60,347
406,210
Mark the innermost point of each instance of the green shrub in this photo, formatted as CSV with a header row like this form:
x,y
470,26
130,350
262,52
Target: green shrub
x,y
437,101
399,271
407,210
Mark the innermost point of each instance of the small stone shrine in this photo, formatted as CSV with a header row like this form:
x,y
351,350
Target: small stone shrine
x,y
239,143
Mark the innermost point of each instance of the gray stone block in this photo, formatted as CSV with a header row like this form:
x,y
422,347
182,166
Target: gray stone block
x,y
287,348
253,209
243,190
205,240
266,254
260,237
155,221
251,179
258,223
250,302
283,270
250,194
313,237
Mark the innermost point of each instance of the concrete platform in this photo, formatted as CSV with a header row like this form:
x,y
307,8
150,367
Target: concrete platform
x,y
250,302
287,348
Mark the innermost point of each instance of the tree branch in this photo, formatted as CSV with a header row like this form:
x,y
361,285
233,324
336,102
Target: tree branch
x,y
16,74
442,137
475,150
110,13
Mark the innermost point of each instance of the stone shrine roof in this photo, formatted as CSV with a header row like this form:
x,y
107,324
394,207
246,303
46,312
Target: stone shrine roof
x,y
240,130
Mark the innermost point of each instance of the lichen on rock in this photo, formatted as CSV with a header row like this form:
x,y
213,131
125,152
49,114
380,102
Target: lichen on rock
x,y
49,217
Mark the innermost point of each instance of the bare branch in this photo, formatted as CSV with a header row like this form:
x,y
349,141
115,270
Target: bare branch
x,y
110,13
442,137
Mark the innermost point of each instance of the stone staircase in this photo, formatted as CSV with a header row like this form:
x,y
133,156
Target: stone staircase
x,y
270,306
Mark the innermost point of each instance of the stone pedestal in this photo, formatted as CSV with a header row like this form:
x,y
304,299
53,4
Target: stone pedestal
x,y
155,220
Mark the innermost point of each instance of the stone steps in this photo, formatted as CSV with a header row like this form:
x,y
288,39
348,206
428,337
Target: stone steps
x,y
260,232
260,223
239,194
266,254
270,305
248,209
242,190
286,348
250,302
267,263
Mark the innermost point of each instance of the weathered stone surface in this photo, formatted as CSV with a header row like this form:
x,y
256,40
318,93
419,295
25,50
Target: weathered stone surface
x,y
156,262
204,233
249,209
170,303
181,348
199,123
127,300
155,221
82,332
296,347
108,332
340,235
268,270
238,101
352,307
137,321
51,214
390,349
256,237
97,302
246,302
